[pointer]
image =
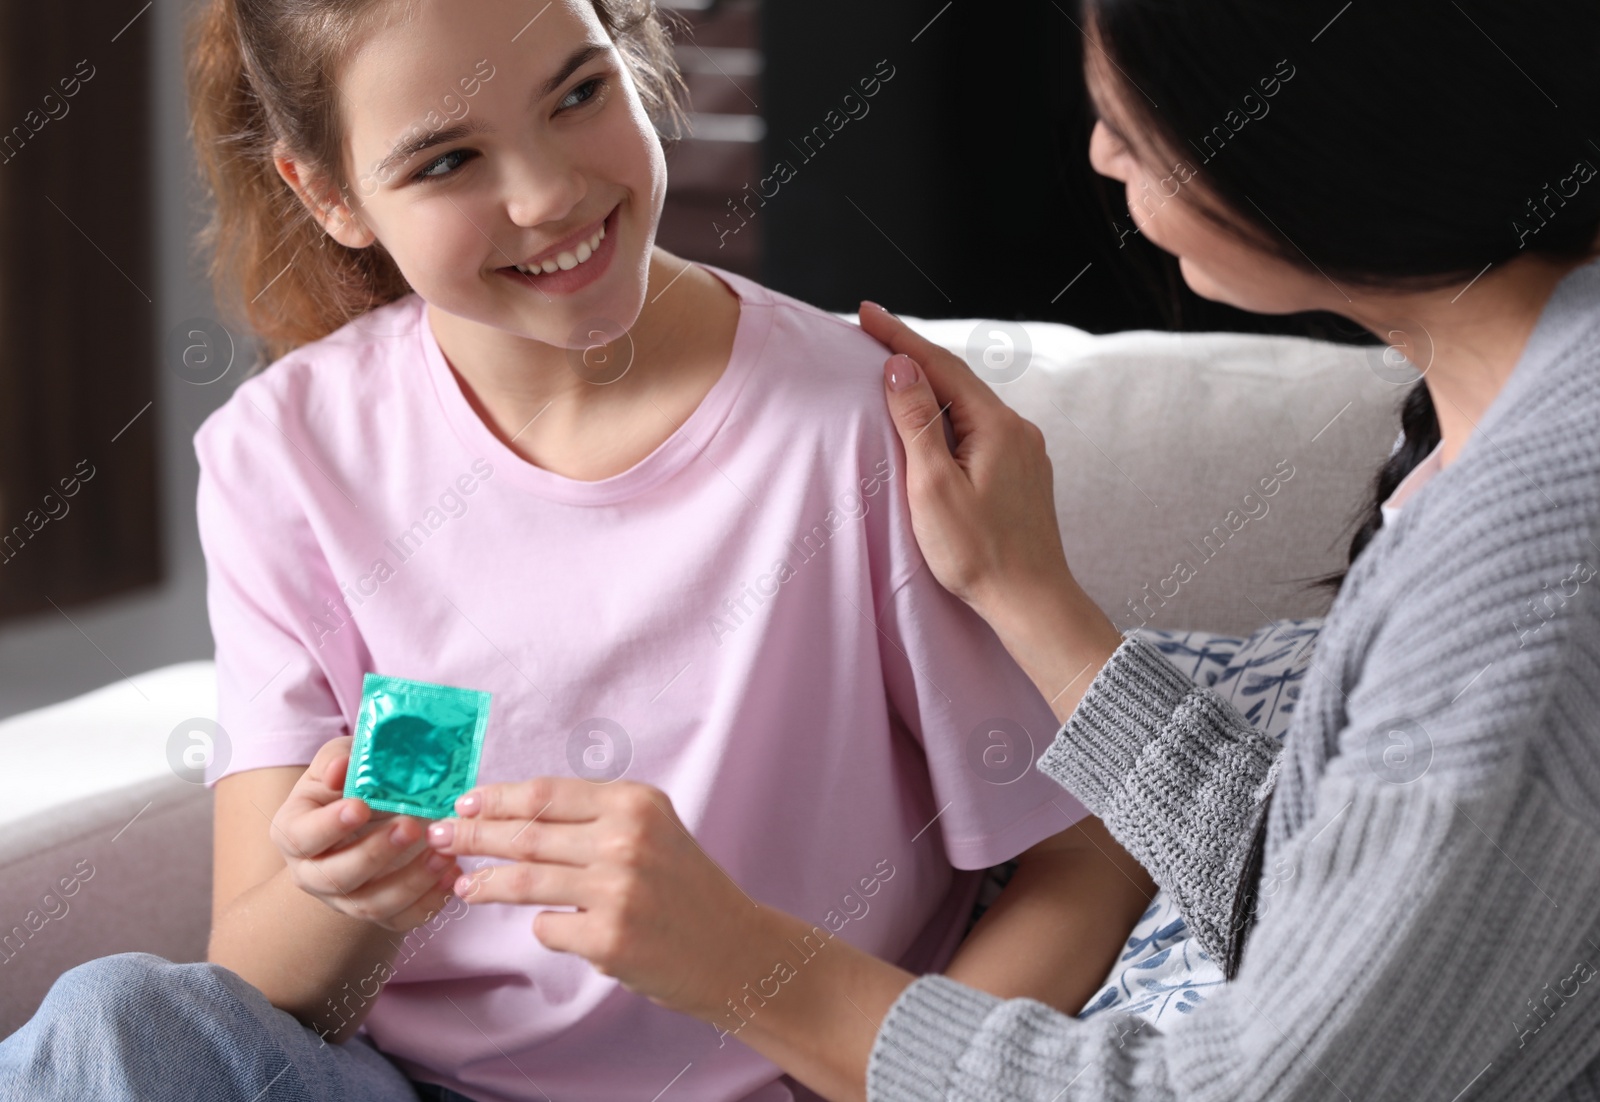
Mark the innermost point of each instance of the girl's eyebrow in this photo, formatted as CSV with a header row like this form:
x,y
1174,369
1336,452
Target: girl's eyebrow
x,y
408,149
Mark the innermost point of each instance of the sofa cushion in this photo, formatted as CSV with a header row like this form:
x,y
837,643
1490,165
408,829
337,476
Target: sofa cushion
x,y
1201,479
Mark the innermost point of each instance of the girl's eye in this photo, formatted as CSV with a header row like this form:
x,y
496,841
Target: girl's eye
x,y
583,93
580,95
427,173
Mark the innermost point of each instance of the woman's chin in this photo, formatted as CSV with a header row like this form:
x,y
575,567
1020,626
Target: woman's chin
x,y
1201,283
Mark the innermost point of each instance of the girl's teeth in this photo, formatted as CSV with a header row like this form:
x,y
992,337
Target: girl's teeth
x,y
566,261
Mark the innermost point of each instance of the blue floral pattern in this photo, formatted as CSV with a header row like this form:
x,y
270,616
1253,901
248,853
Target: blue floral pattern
x,y
1162,973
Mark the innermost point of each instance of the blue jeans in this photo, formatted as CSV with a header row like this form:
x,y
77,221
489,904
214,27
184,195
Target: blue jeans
x,y
134,1026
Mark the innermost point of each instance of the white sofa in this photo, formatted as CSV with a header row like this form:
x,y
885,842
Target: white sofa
x,y
1161,443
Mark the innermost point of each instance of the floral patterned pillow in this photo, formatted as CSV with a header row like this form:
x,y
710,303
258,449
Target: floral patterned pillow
x,y
1162,972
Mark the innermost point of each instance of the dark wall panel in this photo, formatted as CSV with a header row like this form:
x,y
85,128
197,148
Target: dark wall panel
x,y
78,507
963,189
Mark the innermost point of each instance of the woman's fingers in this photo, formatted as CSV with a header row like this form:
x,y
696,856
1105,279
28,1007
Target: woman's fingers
x,y
953,382
515,839
550,885
916,412
551,799
984,518
565,932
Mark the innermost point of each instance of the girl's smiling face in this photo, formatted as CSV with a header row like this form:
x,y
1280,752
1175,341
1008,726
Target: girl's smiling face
x,y
554,160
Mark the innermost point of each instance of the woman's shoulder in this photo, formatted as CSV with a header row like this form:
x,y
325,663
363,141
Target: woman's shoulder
x,y
1487,576
308,390
1526,483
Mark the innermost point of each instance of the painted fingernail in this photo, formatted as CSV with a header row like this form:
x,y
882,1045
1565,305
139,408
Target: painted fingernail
x,y
442,833
902,371
875,306
397,836
437,863
468,804
462,886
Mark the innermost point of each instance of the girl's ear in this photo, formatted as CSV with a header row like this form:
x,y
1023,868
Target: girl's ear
x,y
332,214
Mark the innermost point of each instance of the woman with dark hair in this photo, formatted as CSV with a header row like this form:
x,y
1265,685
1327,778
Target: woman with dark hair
x,y
1392,928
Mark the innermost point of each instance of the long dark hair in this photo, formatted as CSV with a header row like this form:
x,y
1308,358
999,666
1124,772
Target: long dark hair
x,y
1406,145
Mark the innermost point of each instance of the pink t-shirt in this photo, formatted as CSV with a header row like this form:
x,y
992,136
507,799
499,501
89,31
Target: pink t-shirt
x,y
742,619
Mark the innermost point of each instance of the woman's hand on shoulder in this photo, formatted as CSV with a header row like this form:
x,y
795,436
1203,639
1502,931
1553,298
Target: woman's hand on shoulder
x,y
985,516
377,870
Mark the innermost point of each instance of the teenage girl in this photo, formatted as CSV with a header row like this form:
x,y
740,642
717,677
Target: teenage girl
x,y
656,510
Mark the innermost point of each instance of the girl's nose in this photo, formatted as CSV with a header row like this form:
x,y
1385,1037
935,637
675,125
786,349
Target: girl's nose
x,y
546,191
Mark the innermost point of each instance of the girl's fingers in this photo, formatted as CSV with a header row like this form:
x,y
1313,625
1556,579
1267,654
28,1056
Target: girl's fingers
x,y
414,887
427,906
307,830
333,774
325,774
321,785
390,846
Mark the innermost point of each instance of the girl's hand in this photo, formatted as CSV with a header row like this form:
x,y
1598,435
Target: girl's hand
x,y
985,517
653,910
377,870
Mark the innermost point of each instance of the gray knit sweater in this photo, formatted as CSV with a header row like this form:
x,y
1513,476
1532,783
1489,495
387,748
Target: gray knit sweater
x,y
1426,923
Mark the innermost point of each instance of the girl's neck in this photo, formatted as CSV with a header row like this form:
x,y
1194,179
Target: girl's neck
x,y
505,368
1467,341
532,396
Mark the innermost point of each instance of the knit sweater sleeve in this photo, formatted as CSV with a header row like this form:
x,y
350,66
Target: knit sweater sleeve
x,y
1407,925
1181,780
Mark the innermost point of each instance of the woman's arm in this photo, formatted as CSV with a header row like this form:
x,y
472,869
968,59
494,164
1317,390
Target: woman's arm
x,y
1187,798
1181,779
1408,926
1395,962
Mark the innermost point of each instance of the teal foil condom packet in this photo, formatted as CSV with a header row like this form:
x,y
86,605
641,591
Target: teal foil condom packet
x,y
416,745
